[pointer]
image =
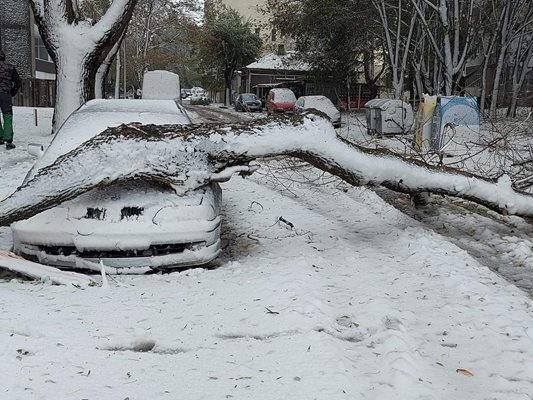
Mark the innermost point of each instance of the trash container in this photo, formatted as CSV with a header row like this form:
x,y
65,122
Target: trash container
x,y
388,117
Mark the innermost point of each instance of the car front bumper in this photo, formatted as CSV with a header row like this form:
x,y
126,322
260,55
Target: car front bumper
x,y
138,249
198,254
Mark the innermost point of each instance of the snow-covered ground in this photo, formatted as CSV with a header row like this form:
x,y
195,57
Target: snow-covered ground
x,y
502,243
355,301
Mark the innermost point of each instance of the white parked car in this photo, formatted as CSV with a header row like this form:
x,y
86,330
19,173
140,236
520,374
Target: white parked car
x,y
197,94
320,103
134,226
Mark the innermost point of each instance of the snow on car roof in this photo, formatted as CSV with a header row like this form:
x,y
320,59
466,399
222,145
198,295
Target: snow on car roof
x,y
283,95
318,100
97,115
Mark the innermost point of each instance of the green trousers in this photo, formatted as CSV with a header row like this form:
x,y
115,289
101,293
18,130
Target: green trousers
x,y
6,130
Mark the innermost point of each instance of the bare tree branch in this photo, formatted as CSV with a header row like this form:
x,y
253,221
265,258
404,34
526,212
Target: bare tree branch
x,y
188,157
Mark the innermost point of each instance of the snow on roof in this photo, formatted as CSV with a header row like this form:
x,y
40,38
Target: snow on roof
x,y
274,61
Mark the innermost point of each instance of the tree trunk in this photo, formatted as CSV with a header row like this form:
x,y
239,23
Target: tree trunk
x,y
103,71
189,157
78,47
228,80
484,85
73,87
522,60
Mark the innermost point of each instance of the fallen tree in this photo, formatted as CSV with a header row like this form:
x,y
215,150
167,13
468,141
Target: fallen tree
x,y
188,157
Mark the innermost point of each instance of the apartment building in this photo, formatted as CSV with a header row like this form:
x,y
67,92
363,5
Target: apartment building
x,y
24,48
273,41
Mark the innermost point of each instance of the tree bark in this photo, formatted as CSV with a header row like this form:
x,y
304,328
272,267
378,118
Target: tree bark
x,y
188,157
103,70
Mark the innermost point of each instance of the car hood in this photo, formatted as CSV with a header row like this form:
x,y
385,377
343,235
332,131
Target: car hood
x,y
132,202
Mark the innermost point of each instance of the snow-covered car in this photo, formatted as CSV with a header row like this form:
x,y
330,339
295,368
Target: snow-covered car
x,y
320,103
280,100
134,226
248,102
197,95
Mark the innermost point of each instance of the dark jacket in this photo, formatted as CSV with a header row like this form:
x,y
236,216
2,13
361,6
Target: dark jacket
x,y
9,79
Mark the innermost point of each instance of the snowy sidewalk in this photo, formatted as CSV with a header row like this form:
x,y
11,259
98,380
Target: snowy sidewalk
x,y
358,302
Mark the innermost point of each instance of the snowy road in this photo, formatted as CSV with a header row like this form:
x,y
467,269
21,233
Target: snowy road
x,y
357,301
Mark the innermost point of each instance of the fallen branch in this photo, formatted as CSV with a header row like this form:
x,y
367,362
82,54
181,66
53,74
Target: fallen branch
x,y
20,266
188,157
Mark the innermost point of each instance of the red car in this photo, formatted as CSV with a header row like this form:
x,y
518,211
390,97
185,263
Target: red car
x,y
280,101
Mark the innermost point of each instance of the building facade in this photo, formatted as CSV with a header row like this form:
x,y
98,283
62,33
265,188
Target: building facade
x,y
24,48
273,41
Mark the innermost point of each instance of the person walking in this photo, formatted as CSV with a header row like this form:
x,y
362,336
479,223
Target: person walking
x,y
9,86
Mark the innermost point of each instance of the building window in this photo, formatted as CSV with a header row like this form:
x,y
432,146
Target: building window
x,y
274,35
40,50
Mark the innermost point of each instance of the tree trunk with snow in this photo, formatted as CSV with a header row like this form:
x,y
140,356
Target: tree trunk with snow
x,y
188,157
78,47
103,71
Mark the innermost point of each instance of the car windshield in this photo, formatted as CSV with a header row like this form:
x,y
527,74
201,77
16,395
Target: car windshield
x,y
249,97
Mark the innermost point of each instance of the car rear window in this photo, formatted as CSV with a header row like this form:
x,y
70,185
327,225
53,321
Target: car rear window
x,y
285,96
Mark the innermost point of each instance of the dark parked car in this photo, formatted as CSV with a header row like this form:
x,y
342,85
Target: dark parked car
x,y
248,102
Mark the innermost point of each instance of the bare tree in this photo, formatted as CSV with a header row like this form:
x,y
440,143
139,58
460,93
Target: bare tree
x,y
449,27
517,20
490,31
521,59
397,38
78,47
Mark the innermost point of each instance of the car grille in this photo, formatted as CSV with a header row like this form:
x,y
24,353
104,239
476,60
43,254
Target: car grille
x,y
154,250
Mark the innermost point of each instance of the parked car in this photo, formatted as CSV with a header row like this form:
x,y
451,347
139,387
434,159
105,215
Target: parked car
x,y
248,102
320,103
135,225
280,100
197,93
185,93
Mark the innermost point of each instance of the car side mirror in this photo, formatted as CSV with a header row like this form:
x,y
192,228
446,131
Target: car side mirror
x,y
36,150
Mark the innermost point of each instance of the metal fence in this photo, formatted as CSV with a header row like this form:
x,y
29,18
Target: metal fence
x,y
36,93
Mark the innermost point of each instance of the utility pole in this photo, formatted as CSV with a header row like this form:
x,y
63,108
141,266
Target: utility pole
x,y
124,63
117,75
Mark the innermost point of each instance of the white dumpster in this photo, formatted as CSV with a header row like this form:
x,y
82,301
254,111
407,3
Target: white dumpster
x,y
161,85
388,117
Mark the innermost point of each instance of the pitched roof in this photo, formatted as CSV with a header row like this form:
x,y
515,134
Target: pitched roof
x,y
276,62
